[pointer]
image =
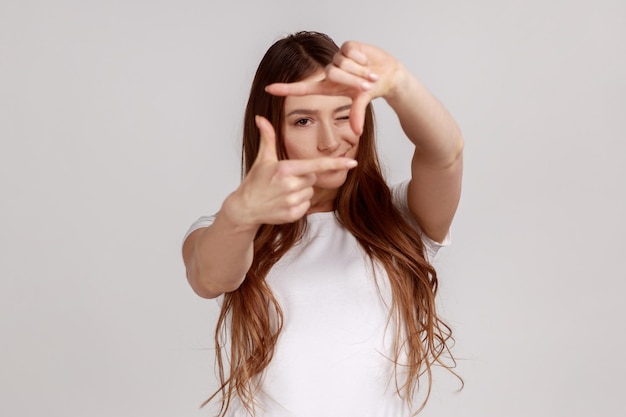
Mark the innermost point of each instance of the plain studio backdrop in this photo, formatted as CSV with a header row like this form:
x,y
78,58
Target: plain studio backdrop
x,y
120,124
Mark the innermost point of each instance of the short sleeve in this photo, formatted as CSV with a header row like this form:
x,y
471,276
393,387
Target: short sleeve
x,y
399,197
204,221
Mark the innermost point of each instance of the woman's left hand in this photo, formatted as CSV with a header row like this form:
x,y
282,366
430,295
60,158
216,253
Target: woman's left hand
x,y
359,71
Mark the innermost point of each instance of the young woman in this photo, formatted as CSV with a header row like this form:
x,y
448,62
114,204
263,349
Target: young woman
x,y
323,271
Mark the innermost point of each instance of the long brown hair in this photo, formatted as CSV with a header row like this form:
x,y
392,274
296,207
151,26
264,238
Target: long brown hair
x,y
251,318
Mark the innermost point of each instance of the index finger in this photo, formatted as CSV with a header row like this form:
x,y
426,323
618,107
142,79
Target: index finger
x,y
352,50
301,88
300,167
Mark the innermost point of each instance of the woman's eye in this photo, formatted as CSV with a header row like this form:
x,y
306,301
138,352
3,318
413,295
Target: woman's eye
x,y
302,122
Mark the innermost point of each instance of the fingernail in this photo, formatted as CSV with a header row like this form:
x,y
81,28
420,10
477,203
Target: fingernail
x,y
365,85
351,163
373,77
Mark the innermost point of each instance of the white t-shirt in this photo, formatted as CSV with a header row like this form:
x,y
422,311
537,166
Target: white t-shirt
x,y
334,354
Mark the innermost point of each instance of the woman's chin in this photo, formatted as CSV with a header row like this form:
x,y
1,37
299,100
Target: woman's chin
x,y
331,180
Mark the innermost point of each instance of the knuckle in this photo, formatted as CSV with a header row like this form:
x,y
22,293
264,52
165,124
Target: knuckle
x,y
296,212
339,61
321,166
347,46
332,71
290,184
291,200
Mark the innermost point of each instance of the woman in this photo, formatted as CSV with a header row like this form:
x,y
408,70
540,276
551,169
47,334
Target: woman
x,y
323,271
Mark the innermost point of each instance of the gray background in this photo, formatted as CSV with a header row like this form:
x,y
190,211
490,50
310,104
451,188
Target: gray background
x,y
120,124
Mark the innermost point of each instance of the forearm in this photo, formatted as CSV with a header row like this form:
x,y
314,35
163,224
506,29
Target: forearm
x,y
437,163
426,122
219,256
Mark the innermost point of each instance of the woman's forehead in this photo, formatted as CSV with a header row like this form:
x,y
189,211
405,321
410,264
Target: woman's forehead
x,y
315,104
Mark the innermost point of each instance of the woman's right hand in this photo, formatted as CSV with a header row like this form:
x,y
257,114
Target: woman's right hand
x,y
277,191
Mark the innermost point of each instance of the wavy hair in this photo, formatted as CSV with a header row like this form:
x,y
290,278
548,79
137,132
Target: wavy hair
x,y
252,316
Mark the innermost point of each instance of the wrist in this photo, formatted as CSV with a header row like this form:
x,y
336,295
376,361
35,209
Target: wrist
x,y
403,87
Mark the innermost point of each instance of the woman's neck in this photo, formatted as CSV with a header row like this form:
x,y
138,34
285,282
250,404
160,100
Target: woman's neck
x,y
322,200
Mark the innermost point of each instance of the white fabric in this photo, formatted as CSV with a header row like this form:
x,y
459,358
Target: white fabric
x,y
333,355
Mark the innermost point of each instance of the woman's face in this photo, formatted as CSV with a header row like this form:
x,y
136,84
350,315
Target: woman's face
x,y
317,126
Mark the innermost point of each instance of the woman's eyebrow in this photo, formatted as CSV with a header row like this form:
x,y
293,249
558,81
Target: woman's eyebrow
x,y
343,108
303,111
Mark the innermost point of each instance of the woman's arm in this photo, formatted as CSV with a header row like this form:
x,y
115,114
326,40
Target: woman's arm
x,y
218,257
364,72
437,164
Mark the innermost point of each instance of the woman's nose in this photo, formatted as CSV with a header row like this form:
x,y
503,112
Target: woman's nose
x,y
328,139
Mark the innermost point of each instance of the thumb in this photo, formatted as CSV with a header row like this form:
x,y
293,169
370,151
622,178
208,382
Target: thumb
x,y
357,113
267,145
